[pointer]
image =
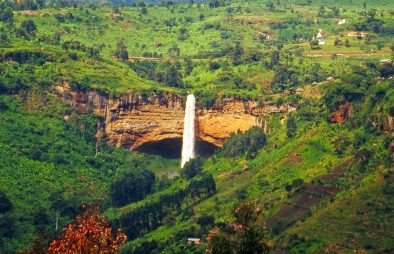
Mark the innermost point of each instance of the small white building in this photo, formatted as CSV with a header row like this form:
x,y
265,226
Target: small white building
x,y
194,241
320,36
383,61
356,34
342,21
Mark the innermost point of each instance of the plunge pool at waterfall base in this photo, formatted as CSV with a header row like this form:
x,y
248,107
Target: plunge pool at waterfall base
x,y
165,155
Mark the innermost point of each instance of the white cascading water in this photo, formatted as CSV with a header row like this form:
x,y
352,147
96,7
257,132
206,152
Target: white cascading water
x,y
188,130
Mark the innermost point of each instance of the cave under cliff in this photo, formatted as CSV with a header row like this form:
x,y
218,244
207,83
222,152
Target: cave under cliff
x,y
172,148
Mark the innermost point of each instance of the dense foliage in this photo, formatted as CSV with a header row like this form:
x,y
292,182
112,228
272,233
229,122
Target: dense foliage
x,y
131,186
150,216
89,234
244,237
247,143
193,167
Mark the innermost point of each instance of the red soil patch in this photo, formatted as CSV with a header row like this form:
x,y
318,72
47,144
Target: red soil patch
x,y
293,159
337,171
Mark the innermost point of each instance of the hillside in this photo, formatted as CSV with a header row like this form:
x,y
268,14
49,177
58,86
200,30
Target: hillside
x,y
301,125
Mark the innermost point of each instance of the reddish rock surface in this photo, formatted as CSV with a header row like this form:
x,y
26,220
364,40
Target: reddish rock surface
x,y
342,114
130,120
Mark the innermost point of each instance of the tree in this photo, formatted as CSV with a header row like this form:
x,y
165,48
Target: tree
x,y
6,218
41,220
29,26
174,51
285,77
334,11
192,168
6,15
341,144
322,12
270,6
5,203
121,51
237,54
248,235
274,58
220,243
314,44
173,76
205,220
144,10
4,39
214,4
247,143
41,4
337,42
89,234
386,70
188,67
131,186
347,43
362,156
359,37
291,127
27,29
208,184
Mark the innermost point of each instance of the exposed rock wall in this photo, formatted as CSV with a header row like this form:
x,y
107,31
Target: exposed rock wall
x,y
131,120
342,114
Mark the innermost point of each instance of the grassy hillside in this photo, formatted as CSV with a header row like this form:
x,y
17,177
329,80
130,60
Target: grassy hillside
x,y
323,181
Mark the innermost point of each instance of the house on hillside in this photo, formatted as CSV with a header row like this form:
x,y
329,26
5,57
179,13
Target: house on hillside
x,y
321,37
299,90
356,34
342,21
194,241
383,61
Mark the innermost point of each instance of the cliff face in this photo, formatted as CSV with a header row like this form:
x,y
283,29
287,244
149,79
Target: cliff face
x,y
131,120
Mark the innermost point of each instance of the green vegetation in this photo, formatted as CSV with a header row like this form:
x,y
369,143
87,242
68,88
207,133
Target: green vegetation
x,y
248,143
131,186
318,179
192,168
245,237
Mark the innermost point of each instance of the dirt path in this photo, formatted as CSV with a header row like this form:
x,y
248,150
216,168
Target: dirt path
x,y
171,60
346,54
311,54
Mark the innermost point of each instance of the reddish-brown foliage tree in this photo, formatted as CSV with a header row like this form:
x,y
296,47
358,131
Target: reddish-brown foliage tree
x,y
90,234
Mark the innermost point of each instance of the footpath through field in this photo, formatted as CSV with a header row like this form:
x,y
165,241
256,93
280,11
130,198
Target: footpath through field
x,y
326,54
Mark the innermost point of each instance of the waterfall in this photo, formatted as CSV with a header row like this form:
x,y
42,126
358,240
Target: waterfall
x,y
188,130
